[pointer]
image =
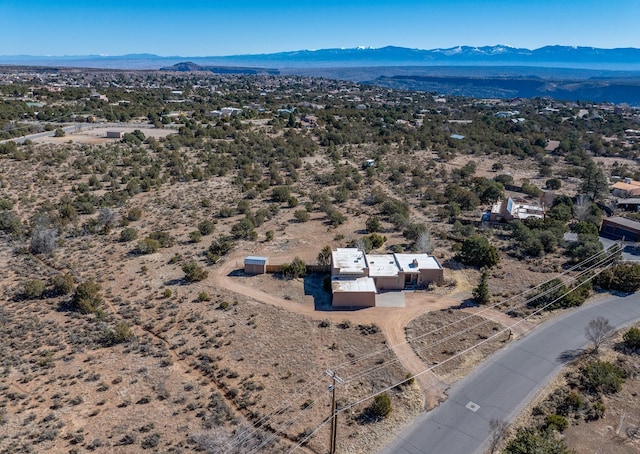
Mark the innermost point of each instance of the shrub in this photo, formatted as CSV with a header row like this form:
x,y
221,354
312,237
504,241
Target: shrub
x,y
10,223
531,441
622,277
244,230
324,256
148,246
220,247
134,214
203,296
195,236
33,289
297,268
43,240
301,215
573,402
413,231
206,227
163,238
481,292
381,406
632,338
194,272
602,377
373,224
120,334
87,299
128,234
280,194
336,218
556,422
108,219
553,184
506,180
62,283
531,190
476,251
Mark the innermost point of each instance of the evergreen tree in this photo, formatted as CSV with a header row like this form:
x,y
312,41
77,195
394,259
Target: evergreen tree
x,y
481,292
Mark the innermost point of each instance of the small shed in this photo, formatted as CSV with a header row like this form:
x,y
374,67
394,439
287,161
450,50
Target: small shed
x,y
115,134
255,265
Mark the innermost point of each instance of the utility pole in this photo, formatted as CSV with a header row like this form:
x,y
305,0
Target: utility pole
x,y
335,380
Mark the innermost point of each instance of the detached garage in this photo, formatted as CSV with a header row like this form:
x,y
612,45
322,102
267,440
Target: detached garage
x,y
255,265
618,228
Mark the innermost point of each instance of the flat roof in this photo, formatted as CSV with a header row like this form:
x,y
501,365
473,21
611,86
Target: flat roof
x,y
349,260
255,260
624,222
632,200
381,265
362,284
424,262
626,186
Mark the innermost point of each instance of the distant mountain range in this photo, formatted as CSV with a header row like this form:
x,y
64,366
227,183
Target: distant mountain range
x,y
561,72
624,59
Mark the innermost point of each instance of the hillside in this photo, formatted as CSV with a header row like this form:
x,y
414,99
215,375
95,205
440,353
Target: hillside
x,y
129,322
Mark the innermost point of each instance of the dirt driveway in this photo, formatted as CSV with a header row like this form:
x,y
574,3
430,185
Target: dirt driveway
x,y
391,321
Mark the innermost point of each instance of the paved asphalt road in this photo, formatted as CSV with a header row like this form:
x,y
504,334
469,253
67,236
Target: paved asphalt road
x,y
502,386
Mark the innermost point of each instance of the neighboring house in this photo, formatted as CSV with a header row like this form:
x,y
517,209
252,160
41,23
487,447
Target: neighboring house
x,y
230,111
115,134
626,188
309,121
225,112
552,145
509,209
255,265
630,204
357,277
619,228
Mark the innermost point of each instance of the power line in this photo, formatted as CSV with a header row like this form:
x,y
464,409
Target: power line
x,y
262,422
610,253
486,321
388,388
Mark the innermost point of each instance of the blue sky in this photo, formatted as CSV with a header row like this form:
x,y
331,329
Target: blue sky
x,y
215,28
